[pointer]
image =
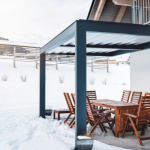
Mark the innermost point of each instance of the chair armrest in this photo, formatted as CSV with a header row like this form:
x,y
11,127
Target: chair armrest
x,y
126,114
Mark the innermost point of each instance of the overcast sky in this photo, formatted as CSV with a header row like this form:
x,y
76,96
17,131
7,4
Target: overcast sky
x,y
38,21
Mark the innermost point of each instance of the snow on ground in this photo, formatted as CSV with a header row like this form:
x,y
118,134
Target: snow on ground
x,y
20,125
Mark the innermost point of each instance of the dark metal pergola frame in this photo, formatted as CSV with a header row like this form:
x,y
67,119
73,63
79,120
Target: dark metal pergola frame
x,y
78,30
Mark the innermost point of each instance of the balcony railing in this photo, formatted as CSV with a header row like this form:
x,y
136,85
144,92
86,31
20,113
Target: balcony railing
x,y
141,12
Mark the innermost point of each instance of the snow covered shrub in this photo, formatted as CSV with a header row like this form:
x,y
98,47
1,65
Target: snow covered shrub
x,y
23,78
61,78
123,83
104,81
91,81
4,77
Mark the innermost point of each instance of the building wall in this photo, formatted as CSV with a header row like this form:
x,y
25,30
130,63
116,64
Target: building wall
x,y
140,71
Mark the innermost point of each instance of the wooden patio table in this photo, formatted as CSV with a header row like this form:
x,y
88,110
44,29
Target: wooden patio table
x,y
120,107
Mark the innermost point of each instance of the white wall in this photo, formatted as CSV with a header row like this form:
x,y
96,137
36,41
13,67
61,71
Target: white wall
x,y
140,71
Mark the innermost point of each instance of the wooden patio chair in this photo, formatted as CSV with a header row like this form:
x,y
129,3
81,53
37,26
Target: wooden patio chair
x,y
147,94
125,96
135,98
71,108
95,110
98,119
92,96
142,118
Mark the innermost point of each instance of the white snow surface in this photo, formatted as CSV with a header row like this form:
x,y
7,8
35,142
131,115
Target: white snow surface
x,y
21,128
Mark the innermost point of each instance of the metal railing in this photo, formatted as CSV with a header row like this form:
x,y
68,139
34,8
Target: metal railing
x,y
141,12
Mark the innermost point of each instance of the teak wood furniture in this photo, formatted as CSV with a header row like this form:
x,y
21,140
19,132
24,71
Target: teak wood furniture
x,y
96,119
92,96
125,96
147,94
142,118
71,109
120,107
64,111
135,98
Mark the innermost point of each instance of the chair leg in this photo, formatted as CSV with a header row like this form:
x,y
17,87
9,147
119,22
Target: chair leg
x,y
124,129
111,127
93,128
136,132
73,124
104,128
67,118
143,130
72,120
101,127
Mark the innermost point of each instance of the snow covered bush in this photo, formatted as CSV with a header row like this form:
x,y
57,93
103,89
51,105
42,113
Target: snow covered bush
x,y
61,78
123,83
4,77
104,81
23,78
92,81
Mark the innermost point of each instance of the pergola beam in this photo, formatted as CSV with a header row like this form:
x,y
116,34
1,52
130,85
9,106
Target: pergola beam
x,y
120,13
99,9
115,46
66,35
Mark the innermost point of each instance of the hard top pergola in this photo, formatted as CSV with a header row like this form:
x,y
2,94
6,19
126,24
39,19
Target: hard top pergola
x,y
93,38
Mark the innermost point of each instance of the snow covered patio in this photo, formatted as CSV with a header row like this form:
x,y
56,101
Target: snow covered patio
x,y
20,125
96,38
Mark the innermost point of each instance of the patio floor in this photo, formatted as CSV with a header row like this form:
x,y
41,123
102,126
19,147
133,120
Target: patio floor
x,y
129,141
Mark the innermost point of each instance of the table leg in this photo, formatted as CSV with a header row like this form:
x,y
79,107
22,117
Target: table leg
x,y
117,122
58,116
53,114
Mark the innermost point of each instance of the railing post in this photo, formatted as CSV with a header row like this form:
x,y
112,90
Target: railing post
x,y
134,12
92,65
56,62
80,80
107,64
42,85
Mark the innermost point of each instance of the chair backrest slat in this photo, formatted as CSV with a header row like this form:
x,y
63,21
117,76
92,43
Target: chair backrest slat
x,y
125,96
89,110
135,98
144,110
69,103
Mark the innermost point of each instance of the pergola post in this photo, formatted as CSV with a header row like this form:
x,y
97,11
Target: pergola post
x,y
14,64
42,85
80,81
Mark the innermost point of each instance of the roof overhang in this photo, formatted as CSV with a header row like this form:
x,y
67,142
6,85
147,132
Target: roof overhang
x,y
102,38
